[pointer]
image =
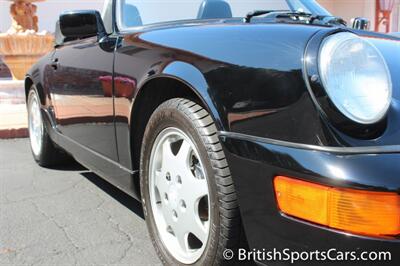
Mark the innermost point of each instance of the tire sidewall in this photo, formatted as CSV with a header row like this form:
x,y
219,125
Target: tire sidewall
x,y
33,93
161,119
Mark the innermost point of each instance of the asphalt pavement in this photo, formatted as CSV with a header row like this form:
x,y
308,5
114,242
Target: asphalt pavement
x,y
65,216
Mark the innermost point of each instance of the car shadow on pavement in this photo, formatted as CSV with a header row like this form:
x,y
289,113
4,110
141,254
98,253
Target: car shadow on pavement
x,y
123,198
69,165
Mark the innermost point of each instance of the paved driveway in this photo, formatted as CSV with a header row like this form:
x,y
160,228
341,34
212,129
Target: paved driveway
x,y
65,216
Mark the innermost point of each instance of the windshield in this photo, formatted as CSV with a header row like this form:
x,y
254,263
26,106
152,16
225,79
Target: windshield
x,y
134,13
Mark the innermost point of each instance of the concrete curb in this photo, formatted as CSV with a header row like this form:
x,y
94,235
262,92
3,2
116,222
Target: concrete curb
x,y
13,116
14,133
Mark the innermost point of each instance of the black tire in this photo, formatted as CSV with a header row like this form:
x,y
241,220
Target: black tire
x,y
226,229
48,154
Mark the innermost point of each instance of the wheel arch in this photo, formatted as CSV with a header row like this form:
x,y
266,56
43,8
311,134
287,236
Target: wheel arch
x,y
27,85
178,79
28,82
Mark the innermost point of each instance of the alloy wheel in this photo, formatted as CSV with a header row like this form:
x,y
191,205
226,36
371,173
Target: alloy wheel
x,y
179,195
35,124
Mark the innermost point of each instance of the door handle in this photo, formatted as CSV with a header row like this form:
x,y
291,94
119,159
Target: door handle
x,y
55,63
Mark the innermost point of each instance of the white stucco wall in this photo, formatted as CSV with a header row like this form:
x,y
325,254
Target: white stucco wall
x,y
48,11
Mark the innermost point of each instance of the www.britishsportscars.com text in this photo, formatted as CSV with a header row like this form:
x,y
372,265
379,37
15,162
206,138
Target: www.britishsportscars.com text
x,y
292,256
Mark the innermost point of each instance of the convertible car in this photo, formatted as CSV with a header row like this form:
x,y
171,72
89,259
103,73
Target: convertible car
x,y
243,127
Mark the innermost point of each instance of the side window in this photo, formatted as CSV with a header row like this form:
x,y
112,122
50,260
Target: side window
x,y
130,15
107,14
135,13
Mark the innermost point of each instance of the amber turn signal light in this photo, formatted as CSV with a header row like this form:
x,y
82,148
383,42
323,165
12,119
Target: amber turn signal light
x,y
356,211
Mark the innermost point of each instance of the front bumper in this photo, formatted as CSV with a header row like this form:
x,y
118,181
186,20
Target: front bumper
x,y
255,162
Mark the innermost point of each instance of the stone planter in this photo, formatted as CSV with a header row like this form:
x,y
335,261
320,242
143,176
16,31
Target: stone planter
x,y
22,46
21,50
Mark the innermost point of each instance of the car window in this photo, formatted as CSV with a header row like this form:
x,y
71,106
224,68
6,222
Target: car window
x,y
107,14
133,13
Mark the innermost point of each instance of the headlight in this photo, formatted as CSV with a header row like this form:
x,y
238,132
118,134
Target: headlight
x,y
355,77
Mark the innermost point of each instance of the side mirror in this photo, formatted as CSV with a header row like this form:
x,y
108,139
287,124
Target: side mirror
x,y
59,37
361,23
81,24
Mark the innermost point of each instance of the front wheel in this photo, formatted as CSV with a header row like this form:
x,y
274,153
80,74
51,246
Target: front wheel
x,y
188,194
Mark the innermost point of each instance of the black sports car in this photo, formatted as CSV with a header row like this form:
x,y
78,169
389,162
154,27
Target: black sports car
x,y
255,130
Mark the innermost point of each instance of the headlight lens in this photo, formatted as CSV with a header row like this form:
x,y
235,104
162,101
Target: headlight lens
x,y
355,77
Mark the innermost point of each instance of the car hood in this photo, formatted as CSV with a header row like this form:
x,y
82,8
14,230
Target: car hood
x,y
266,46
267,60
261,45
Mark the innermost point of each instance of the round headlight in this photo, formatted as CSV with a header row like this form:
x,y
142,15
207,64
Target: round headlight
x,y
355,77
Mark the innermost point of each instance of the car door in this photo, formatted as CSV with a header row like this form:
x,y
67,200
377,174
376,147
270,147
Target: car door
x,y
82,94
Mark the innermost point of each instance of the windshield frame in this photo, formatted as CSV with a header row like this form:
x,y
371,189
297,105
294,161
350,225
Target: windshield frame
x,y
312,7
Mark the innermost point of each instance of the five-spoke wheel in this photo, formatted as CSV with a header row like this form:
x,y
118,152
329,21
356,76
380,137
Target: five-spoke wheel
x,y
179,195
35,123
188,196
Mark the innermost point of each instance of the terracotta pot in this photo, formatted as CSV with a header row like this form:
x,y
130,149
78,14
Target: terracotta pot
x,y
21,51
19,65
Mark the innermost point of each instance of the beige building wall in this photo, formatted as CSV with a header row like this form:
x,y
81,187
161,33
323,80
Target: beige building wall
x,y
396,18
348,9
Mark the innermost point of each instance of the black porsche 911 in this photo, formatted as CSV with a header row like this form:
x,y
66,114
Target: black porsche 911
x,y
249,130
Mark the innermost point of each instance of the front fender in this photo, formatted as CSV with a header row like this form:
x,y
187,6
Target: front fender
x,y
39,75
194,80
253,73
192,77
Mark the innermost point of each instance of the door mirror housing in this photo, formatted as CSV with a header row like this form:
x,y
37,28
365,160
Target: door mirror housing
x,y
81,24
361,23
